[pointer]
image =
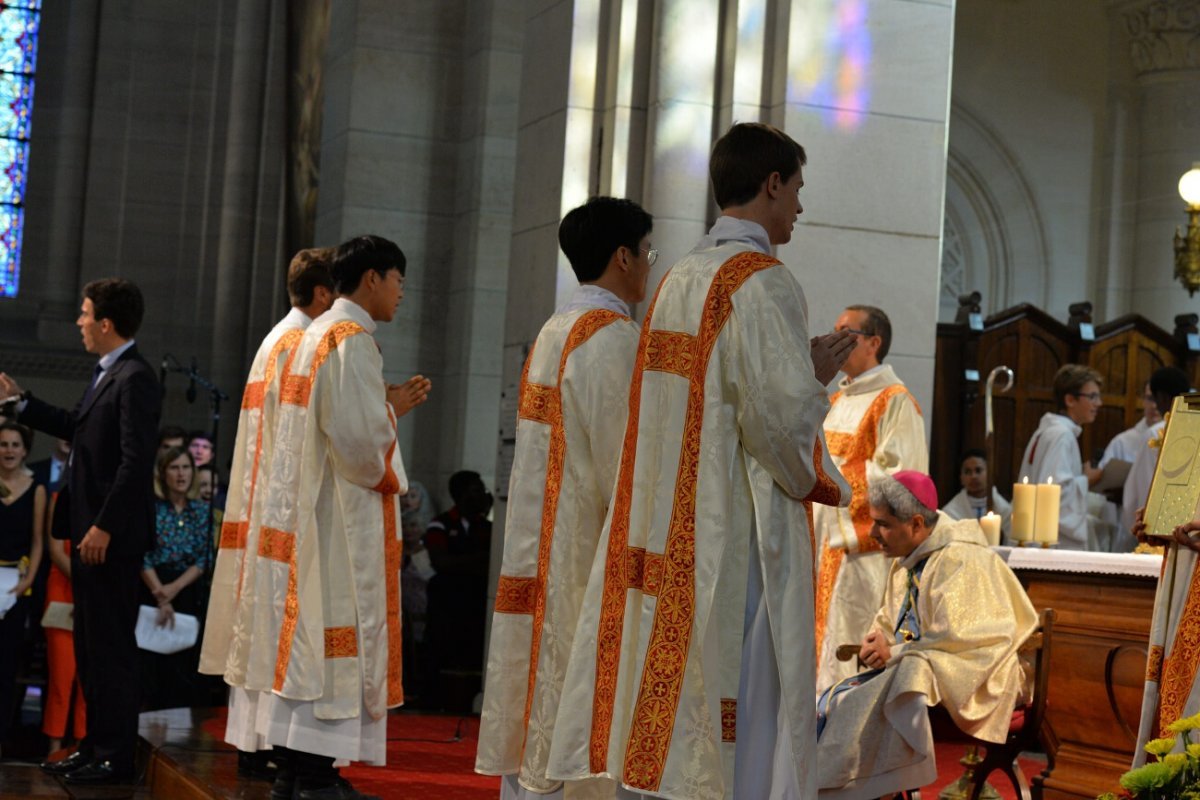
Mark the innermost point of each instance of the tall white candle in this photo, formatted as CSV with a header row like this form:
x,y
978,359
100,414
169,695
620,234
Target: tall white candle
x,y
1024,503
1045,520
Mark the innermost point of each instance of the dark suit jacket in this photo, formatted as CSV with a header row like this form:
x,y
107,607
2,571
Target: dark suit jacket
x,y
114,437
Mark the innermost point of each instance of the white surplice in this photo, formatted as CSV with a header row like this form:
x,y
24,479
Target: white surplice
x,y
1172,691
723,452
574,397
1053,452
316,645
874,428
1126,445
252,451
1137,486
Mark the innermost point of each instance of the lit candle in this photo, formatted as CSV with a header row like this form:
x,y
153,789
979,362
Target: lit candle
x,y
1024,502
990,522
1045,520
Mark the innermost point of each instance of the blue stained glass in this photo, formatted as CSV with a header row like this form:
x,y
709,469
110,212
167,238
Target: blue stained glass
x,y
18,40
19,21
16,104
12,220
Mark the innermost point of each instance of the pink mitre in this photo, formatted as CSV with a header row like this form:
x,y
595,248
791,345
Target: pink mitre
x,y
921,486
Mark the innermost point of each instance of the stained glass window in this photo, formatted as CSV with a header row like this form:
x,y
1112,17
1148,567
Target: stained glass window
x,y
19,21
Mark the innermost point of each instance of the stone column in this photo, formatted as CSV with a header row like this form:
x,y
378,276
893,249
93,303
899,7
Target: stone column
x,y
1164,48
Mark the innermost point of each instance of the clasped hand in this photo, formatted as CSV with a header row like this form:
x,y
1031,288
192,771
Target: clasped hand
x,y
875,652
406,396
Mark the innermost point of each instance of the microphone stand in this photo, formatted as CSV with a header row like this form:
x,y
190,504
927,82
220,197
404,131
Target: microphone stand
x,y
215,397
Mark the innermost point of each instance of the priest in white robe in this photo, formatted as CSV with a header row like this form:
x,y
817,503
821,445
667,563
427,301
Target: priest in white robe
x,y
947,632
1053,454
1173,662
691,672
571,420
874,428
310,289
972,501
316,641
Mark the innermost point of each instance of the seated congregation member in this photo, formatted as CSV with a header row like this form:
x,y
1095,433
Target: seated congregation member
x,y
22,527
971,502
1053,454
583,358
459,544
1165,385
947,633
171,572
49,471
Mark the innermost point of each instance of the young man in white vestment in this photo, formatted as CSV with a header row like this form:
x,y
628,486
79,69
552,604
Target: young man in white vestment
x,y
874,428
1165,385
691,672
1053,454
311,292
972,501
315,649
1126,445
947,632
574,393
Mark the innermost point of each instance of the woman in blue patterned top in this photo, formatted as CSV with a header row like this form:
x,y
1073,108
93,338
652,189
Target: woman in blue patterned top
x,y
171,572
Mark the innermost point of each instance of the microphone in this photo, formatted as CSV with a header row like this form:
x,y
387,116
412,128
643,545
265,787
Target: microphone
x,y
191,390
162,375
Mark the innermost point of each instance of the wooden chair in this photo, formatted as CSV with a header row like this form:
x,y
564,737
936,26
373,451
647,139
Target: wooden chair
x,y
1024,730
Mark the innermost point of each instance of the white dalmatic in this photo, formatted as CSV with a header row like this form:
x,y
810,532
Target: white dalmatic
x,y
722,452
320,654
1136,491
252,451
574,396
874,428
1172,691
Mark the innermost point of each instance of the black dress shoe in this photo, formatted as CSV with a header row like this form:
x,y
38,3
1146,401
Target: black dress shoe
x,y
256,765
99,773
67,765
342,790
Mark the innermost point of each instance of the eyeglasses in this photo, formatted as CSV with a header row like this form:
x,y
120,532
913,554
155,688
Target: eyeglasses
x,y
651,256
1093,396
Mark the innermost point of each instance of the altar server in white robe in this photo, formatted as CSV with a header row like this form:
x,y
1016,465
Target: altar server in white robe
x,y
320,657
1127,444
574,393
972,501
874,428
1053,453
691,672
1165,385
947,632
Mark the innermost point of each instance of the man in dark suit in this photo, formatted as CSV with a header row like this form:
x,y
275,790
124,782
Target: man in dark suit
x,y
49,472
106,508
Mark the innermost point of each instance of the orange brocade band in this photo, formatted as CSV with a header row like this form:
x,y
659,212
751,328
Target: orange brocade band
x,y
515,595
393,553
341,642
1179,668
728,719
233,535
252,397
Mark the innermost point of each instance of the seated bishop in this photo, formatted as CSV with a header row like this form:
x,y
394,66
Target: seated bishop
x,y
952,619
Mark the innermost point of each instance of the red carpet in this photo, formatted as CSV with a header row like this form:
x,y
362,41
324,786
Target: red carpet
x,y
431,755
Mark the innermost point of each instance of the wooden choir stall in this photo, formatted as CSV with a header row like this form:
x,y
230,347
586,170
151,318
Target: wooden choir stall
x,y
1103,601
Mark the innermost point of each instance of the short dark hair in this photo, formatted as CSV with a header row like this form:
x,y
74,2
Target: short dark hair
x,y
1166,384
460,481
1070,378
590,234
118,300
973,452
171,432
308,270
352,259
877,324
194,435
746,156
23,431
